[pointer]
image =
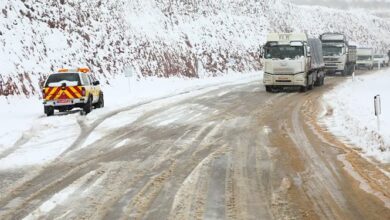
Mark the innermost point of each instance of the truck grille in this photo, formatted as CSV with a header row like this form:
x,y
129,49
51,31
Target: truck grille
x,y
331,59
283,71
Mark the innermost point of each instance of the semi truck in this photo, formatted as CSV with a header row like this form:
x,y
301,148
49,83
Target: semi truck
x,y
365,58
292,60
339,55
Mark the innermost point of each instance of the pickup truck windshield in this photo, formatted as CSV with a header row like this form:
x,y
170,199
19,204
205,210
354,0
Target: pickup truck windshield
x,y
63,77
283,52
364,57
331,50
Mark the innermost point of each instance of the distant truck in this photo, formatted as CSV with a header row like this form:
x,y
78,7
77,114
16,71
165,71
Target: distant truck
x,y
339,56
381,59
292,60
365,58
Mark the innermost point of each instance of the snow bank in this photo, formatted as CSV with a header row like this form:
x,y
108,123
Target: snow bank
x,y
353,115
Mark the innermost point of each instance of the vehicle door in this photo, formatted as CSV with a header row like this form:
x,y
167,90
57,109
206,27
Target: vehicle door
x,y
95,88
87,84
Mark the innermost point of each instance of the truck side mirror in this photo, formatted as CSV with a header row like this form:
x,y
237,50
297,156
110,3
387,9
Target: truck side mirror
x,y
308,53
261,50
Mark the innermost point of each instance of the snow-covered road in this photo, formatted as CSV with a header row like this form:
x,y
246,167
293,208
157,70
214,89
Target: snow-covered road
x,y
28,137
223,150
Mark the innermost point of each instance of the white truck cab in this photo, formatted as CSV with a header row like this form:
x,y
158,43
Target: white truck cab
x,y
292,60
380,60
365,58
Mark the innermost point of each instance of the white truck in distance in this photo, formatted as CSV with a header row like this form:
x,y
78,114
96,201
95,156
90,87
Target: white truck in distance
x,y
365,58
339,56
292,60
381,59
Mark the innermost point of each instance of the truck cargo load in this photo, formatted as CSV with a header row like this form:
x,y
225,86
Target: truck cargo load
x,y
317,60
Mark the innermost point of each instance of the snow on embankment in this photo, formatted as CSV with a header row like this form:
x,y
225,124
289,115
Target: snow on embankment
x,y
157,37
353,114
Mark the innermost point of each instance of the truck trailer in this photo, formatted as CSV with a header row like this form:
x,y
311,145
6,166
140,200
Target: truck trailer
x,y
292,60
365,58
339,55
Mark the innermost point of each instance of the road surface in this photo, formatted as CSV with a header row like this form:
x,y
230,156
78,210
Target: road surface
x,y
236,152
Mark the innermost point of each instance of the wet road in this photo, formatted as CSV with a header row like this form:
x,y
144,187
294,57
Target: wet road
x,y
236,152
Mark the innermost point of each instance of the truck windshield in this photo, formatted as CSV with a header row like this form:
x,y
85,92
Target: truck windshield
x,y
364,57
67,78
332,50
284,52
378,56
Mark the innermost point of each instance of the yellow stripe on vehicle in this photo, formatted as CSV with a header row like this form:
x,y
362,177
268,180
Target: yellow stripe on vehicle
x,y
78,95
51,93
68,94
59,94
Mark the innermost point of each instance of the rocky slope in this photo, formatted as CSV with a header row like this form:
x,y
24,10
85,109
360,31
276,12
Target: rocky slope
x,y
156,37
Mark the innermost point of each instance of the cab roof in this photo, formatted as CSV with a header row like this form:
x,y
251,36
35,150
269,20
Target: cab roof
x,y
286,37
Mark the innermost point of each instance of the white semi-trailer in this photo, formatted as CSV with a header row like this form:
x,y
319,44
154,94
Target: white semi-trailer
x,y
292,60
365,58
339,56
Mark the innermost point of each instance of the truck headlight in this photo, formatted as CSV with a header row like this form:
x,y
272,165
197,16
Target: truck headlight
x,y
300,77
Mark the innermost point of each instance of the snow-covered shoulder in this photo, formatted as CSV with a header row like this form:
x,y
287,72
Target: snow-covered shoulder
x,y
353,116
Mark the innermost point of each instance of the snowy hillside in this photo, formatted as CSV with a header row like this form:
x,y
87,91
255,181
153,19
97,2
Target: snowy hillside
x,y
157,37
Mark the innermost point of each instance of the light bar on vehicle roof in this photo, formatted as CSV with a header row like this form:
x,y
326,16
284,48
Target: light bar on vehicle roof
x,y
81,70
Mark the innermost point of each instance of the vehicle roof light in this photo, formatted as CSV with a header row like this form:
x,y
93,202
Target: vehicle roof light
x,y
80,70
83,69
63,70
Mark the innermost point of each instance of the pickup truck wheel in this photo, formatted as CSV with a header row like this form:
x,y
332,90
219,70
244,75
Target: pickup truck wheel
x,y
49,111
88,106
100,103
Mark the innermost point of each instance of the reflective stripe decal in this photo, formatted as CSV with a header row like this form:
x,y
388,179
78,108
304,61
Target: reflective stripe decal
x,y
74,92
71,92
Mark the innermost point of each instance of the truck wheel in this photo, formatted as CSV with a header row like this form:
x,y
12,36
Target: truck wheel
x,y
49,111
88,106
310,87
303,88
100,103
319,80
268,88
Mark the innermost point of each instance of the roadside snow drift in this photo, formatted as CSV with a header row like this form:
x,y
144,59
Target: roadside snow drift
x,y
353,114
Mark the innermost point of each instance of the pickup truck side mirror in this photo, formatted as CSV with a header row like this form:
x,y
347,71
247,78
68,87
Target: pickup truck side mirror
x,y
96,83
